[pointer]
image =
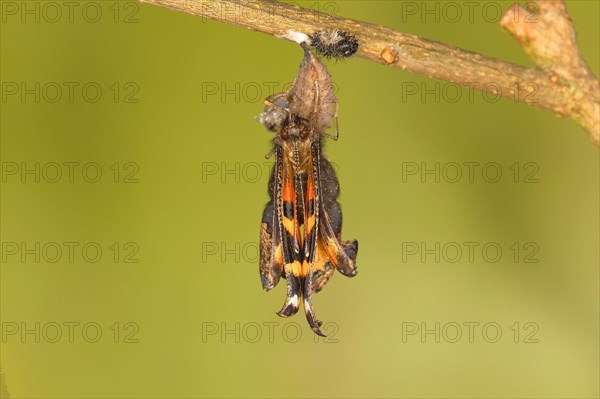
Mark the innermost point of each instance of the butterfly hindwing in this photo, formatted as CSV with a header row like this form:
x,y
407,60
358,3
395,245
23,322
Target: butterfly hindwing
x,y
322,268
271,249
342,254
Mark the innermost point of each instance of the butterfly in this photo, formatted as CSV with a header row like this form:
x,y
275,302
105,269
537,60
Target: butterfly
x,y
300,235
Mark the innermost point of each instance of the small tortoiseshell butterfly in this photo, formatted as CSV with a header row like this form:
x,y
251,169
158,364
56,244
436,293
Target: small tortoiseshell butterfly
x,y
300,235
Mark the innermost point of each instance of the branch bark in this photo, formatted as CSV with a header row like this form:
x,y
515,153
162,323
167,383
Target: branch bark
x,y
561,82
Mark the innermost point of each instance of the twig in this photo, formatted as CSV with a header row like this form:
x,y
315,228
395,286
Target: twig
x,y
561,82
551,43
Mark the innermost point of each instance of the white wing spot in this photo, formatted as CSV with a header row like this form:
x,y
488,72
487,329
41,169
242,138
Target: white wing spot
x,y
294,301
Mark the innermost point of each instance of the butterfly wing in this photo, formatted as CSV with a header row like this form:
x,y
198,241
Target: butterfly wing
x,y
288,216
271,249
342,254
311,235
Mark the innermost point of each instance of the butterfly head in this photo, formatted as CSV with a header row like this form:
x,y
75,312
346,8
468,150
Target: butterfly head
x,y
295,129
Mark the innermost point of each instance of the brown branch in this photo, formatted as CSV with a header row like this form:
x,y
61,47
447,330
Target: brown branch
x,y
551,42
561,82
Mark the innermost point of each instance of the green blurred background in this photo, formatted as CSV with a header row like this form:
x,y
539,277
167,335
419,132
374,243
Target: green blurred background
x,y
178,300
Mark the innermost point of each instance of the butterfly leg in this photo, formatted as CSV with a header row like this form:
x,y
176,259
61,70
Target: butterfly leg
x,y
335,121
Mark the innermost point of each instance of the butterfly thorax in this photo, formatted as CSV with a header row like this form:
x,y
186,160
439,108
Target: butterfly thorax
x,y
295,139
